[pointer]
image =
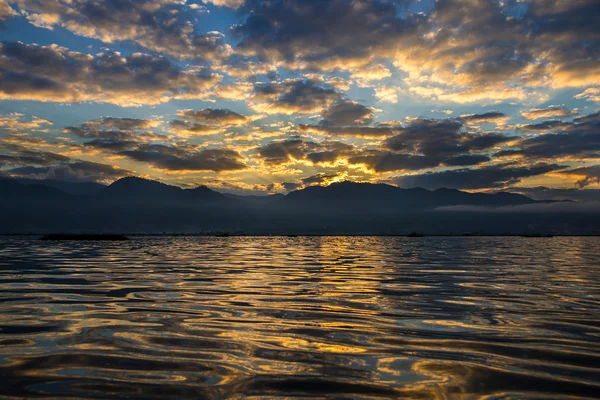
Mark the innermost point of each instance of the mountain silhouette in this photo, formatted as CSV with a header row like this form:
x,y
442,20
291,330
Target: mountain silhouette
x,y
140,189
77,188
140,205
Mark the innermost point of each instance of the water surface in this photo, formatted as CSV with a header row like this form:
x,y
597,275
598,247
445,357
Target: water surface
x,y
302,317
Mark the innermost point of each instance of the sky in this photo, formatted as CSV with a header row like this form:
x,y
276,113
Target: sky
x,y
251,96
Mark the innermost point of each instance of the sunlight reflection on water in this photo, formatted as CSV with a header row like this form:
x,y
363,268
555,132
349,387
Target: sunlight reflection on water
x,y
243,317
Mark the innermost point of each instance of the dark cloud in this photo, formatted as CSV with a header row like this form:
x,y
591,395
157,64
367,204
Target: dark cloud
x,y
26,163
440,138
347,113
496,49
293,96
318,179
379,161
466,160
290,186
495,176
219,116
591,175
162,26
492,116
53,73
76,171
175,158
580,138
284,151
298,149
207,121
116,134
20,155
322,34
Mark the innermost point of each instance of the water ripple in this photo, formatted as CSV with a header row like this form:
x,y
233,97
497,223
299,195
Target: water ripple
x,y
302,317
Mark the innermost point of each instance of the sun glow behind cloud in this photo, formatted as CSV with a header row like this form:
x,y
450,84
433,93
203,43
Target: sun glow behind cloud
x,y
248,96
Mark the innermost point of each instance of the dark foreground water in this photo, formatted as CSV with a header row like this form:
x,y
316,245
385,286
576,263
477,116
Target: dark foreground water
x,y
338,317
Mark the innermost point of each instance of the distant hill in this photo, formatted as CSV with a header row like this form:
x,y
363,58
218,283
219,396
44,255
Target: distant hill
x,y
145,190
77,188
134,204
352,194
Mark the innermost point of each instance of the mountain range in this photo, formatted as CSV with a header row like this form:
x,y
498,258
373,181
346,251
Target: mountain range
x,y
137,205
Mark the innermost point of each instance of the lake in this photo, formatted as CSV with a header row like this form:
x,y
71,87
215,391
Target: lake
x,y
299,317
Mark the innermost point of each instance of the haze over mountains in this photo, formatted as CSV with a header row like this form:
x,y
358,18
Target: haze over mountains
x,y
136,205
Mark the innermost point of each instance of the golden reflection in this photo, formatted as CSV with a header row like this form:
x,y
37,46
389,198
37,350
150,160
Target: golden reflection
x,y
360,317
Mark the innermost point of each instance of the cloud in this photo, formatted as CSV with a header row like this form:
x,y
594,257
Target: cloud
x,y
15,122
76,171
186,158
26,163
387,94
56,74
162,26
549,112
488,117
495,176
364,76
292,96
206,122
226,3
280,152
114,134
468,50
319,179
6,12
580,138
347,131
323,36
379,161
590,94
219,116
347,113
590,175
432,137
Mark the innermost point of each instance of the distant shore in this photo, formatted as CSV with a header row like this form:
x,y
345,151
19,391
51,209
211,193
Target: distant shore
x,y
124,236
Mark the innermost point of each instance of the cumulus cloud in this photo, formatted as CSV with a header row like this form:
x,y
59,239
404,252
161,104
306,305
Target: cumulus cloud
x,y
163,26
206,122
440,138
6,12
292,96
549,112
16,122
347,118
460,50
347,113
56,74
